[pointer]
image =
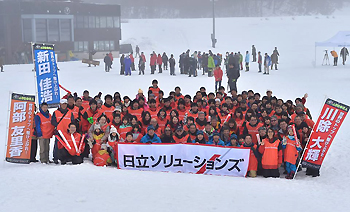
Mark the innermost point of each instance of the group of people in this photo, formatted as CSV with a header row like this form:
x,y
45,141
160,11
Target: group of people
x,y
344,53
190,64
85,125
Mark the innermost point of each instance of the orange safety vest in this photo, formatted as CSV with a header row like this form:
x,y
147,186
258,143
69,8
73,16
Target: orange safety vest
x,y
108,111
291,152
253,131
180,140
155,91
137,113
270,154
253,162
67,119
77,138
47,129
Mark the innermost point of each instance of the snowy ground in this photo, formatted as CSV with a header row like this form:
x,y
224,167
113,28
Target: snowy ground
x,y
38,187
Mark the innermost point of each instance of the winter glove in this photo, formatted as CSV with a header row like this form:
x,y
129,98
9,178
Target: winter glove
x,y
90,120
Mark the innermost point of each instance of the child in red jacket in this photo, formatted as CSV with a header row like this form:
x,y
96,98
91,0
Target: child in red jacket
x,y
218,77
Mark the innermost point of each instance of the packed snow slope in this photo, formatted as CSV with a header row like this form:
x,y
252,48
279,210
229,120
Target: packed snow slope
x,y
38,187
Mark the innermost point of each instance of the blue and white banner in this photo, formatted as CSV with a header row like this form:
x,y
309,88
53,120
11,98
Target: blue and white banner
x,y
46,74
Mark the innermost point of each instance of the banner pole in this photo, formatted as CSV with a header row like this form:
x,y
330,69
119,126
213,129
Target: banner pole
x,y
308,140
7,125
35,78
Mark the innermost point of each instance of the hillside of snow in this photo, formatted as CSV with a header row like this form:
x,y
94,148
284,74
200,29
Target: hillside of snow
x,y
38,187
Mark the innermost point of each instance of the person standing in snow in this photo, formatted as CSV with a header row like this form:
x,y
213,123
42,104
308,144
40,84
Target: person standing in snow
x,y
165,61
233,71
122,64
205,63
254,53
153,62
335,56
240,60
344,53
211,65
247,58
137,51
267,63
218,77
172,65
159,63
132,62
193,67
108,62
127,63
259,61
44,131
111,56
277,53
274,60
142,64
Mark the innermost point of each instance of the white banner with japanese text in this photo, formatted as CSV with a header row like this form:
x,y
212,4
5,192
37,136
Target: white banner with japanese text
x,y
184,158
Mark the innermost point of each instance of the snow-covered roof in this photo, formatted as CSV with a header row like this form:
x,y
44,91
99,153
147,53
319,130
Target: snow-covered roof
x,y
342,38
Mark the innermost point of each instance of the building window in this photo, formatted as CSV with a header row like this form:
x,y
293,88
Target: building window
x,y
103,45
111,45
97,22
54,34
81,46
92,23
65,29
79,21
109,22
41,30
103,22
27,30
86,21
116,22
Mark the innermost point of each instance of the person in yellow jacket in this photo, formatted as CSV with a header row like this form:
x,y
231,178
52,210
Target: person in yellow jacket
x,y
335,55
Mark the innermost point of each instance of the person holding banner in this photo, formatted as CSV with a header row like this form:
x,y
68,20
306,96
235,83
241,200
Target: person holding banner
x,y
60,119
150,137
74,140
291,147
44,131
254,156
271,150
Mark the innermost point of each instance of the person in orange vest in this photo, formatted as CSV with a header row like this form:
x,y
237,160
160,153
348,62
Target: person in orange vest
x,y
44,131
159,63
218,77
107,108
335,56
86,99
154,88
291,151
252,128
102,157
180,136
73,155
90,116
254,156
271,150
60,119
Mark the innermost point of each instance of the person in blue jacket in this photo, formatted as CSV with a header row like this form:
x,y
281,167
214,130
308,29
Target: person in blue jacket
x,y
233,141
267,64
216,140
150,137
247,58
127,64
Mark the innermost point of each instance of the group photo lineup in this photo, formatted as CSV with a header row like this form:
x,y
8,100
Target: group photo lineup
x,y
238,102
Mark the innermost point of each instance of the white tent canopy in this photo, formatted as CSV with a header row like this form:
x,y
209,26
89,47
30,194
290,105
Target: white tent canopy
x,y
341,39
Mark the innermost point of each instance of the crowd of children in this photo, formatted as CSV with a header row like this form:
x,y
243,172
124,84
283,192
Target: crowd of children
x,y
262,123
